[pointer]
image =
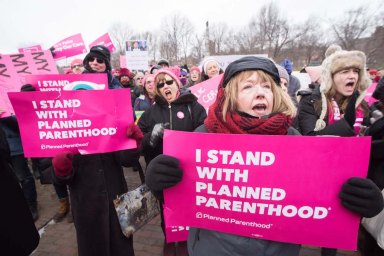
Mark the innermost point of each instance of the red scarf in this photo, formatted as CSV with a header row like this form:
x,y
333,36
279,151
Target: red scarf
x,y
235,123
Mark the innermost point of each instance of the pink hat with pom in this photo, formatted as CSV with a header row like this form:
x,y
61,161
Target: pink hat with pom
x,y
172,72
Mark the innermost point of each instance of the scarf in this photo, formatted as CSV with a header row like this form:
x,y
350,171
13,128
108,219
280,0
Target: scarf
x,y
236,123
335,115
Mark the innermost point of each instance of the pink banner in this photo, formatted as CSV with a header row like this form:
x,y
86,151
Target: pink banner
x,y
14,67
253,186
70,46
68,82
34,48
81,121
104,40
206,91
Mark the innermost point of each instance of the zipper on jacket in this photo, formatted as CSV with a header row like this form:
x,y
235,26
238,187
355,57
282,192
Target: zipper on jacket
x,y
170,116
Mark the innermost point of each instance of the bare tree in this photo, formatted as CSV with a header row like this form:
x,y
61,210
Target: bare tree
x,y
218,34
120,33
177,31
353,26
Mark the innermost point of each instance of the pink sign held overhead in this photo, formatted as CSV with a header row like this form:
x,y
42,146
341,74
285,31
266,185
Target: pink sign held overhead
x,y
70,46
34,48
84,121
251,185
46,83
206,91
104,40
14,68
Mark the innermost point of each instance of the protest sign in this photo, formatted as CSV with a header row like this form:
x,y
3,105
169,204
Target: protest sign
x,y
206,91
47,83
70,46
104,40
83,121
257,186
14,67
34,48
136,54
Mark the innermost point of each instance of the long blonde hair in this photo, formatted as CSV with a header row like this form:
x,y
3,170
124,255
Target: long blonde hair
x,y
282,103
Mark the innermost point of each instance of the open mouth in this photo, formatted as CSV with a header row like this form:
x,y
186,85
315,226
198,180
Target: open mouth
x,y
168,93
350,84
260,107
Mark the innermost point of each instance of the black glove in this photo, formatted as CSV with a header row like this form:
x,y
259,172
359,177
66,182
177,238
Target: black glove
x,y
350,111
362,196
163,172
157,134
376,130
379,91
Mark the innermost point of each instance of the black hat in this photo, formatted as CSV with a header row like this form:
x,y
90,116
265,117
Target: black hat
x,y
27,88
100,52
251,63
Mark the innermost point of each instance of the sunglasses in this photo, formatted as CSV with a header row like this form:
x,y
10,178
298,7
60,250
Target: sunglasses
x,y
100,61
77,66
161,85
140,78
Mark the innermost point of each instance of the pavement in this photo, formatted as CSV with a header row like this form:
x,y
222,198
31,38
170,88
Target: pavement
x,y
59,239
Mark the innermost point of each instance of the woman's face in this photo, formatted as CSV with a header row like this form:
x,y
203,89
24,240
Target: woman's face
x,y
97,65
149,86
345,81
254,96
194,75
212,69
284,84
168,88
139,80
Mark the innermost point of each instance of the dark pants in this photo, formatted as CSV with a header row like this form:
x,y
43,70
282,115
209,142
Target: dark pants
x,y
25,177
328,251
61,190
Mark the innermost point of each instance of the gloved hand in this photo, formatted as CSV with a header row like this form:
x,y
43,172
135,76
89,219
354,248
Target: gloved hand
x,y
376,130
62,164
163,172
379,91
350,111
157,133
134,132
362,196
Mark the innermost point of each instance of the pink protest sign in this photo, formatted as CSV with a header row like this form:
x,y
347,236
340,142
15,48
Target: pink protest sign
x,y
206,91
87,122
70,46
14,67
252,185
104,40
68,82
34,48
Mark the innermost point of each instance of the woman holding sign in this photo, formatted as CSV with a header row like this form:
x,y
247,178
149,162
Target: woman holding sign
x,y
173,109
249,101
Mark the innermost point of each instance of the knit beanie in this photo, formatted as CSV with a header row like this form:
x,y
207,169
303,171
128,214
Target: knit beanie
x,y
251,63
76,62
171,73
287,64
194,68
282,72
100,52
125,72
163,62
335,61
209,60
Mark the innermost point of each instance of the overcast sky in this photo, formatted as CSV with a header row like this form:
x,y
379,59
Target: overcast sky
x,y
27,22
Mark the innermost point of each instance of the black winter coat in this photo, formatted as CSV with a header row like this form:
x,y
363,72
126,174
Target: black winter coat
x,y
307,117
183,114
96,180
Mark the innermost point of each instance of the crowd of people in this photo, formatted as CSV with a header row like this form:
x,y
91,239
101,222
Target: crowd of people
x,y
255,96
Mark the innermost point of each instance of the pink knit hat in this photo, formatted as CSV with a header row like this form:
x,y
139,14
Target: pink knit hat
x,y
172,72
76,62
194,68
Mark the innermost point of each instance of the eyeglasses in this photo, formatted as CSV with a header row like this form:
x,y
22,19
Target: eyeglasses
x,y
77,66
100,61
148,82
140,78
161,85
